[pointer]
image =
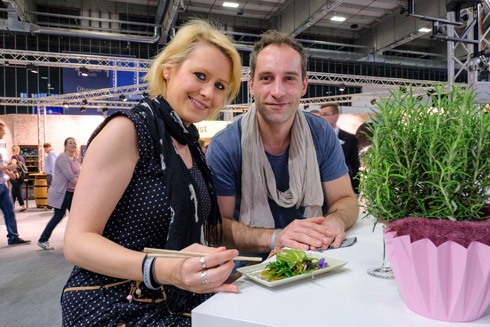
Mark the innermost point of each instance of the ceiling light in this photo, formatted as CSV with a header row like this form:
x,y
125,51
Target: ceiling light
x,y
104,109
85,101
6,63
65,104
425,30
83,109
83,71
145,94
337,18
342,87
230,4
123,97
33,69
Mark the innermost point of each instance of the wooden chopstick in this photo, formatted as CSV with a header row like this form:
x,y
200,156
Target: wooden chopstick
x,y
182,254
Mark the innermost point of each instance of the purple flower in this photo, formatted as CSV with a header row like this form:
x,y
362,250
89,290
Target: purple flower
x,y
322,263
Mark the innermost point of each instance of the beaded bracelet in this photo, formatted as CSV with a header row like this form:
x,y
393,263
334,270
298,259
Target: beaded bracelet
x,y
273,238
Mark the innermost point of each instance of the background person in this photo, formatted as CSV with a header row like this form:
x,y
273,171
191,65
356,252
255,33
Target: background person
x,y
330,112
6,204
15,179
49,162
60,195
148,185
277,165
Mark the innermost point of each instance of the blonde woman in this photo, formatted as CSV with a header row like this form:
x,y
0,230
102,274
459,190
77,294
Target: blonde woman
x,y
145,183
17,181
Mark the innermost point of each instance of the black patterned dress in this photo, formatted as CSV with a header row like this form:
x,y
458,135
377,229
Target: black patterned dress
x,y
140,219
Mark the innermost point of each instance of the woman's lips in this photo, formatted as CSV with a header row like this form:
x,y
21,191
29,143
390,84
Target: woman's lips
x,y
198,104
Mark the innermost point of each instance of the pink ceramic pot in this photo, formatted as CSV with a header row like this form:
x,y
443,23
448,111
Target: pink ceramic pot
x,y
447,282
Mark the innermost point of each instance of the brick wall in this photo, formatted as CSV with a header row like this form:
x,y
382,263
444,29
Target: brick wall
x,y
23,129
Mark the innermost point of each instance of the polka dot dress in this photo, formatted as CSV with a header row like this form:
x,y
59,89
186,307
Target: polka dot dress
x,y
140,219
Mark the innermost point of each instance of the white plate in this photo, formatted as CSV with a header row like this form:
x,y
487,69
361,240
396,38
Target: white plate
x,y
255,272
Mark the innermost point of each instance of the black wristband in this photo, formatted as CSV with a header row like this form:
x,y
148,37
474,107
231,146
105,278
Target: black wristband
x,y
143,264
153,280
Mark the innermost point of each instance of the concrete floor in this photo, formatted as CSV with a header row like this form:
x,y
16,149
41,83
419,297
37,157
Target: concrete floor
x,y
31,280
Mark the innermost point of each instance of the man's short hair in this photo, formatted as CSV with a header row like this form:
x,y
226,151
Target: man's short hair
x,y
314,111
277,38
334,105
46,145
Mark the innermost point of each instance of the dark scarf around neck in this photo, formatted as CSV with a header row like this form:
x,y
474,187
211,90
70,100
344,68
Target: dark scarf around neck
x,y
186,213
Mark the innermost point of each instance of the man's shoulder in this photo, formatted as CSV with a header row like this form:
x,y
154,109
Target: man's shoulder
x,y
344,135
232,132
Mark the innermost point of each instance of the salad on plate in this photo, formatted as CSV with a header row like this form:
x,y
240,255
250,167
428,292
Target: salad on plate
x,y
291,263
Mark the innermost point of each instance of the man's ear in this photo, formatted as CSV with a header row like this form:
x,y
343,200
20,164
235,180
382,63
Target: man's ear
x,y
305,86
251,84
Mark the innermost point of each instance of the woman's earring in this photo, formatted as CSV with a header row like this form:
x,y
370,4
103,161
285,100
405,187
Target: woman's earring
x,y
165,76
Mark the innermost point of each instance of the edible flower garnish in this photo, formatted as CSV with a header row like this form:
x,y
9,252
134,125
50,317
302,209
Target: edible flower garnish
x,y
322,264
291,263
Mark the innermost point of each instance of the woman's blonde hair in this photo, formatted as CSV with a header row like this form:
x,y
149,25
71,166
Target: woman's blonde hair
x,y
15,149
179,49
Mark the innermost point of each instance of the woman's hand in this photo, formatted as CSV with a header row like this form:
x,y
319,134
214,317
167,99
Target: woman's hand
x,y
187,273
11,174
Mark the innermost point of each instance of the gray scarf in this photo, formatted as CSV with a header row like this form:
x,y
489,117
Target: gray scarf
x,y
258,181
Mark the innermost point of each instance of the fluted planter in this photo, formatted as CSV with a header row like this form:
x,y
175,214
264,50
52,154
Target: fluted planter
x,y
441,279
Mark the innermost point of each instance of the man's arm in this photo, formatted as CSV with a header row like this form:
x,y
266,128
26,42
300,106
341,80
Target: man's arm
x,y
11,166
343,209
301,234
239,236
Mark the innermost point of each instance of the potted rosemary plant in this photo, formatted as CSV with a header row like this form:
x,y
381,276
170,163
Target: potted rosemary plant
x,y
427,177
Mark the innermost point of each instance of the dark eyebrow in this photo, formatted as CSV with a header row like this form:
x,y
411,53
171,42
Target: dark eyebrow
x,y
286,73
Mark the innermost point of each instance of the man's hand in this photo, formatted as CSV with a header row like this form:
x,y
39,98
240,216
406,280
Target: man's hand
x,y
305,234
335,231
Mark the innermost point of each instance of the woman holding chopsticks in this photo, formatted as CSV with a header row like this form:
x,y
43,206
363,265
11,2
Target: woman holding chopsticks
x,y
145,184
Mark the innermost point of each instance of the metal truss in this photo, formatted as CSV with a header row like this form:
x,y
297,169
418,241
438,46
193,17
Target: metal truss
x,y
68,60
354,80
474,40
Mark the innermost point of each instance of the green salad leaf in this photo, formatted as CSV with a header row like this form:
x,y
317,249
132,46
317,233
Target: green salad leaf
x,y
291,263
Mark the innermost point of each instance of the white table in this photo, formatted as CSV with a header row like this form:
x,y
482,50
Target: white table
x,y
344,297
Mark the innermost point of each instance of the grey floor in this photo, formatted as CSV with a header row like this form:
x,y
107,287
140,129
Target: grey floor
x,y
31,280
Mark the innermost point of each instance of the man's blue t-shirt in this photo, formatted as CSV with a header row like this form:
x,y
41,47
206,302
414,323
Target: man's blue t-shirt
x,y
224,156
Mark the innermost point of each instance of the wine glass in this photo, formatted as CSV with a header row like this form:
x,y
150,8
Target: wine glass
x,y
384,271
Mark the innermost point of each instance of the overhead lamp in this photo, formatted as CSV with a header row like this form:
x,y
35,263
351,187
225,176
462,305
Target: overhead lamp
x,y
425,30
230,4
6,64
104,109
85,101
342,87
337,18
145,94
83,109
354,26
83,71
65,104
123,97
32,68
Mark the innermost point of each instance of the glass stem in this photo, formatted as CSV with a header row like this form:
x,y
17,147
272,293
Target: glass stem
x,y
386,264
